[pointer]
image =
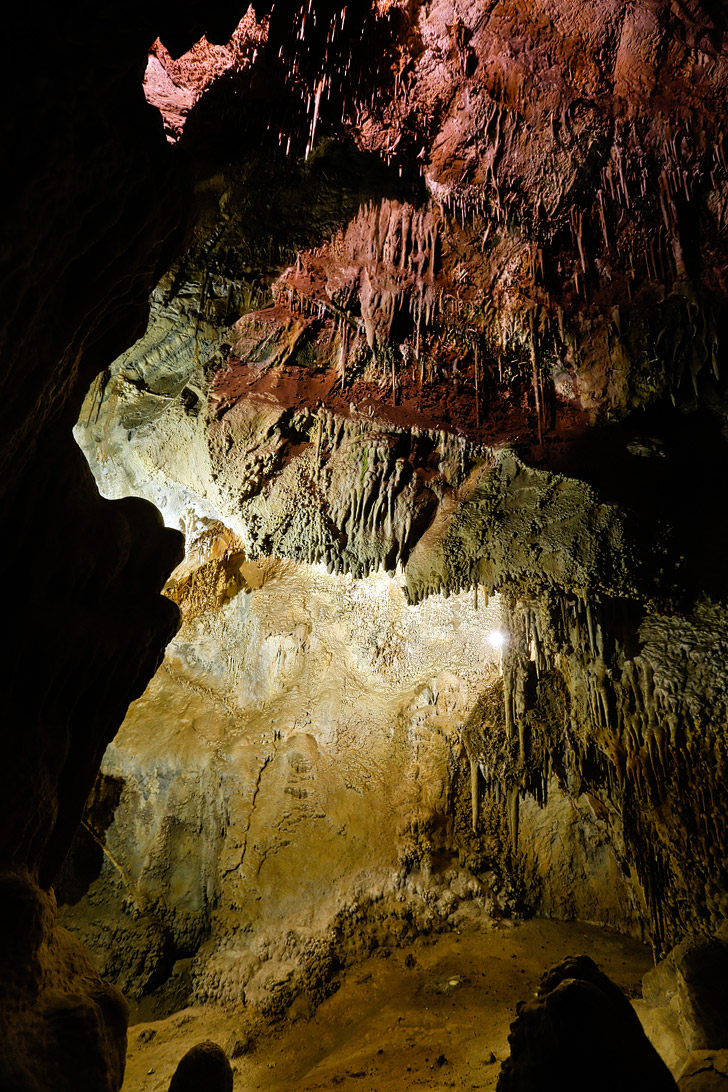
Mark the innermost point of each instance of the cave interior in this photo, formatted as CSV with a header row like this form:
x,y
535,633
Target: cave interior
x,y
365,388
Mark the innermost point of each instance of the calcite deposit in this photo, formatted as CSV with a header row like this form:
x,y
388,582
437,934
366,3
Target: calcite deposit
x,y
442,361
435,389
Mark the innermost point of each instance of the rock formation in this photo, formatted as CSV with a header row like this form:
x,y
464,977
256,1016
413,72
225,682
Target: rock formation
x,y
580,1031
93,213
687,989
441,361
204,1066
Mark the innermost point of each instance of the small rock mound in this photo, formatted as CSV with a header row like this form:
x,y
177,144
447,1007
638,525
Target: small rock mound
x,y
206,1067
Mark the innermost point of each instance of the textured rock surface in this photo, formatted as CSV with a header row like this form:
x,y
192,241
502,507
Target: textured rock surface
x,y
287,787
93,211
307,717
691,982
580,1031
552,243
458,318
705,1071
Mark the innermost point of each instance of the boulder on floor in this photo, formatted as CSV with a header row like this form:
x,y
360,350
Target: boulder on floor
x,y
206,1067
580,1031
691,981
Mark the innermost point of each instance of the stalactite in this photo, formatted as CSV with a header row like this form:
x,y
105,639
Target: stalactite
x,y
536,381
513,816
590,628
508,697
474,794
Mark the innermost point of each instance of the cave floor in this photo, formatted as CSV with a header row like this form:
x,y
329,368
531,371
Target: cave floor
x,y
431,1015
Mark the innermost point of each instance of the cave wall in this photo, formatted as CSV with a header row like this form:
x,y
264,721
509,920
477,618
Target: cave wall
x,y
293,791
288,773
94,208
459,318
473,228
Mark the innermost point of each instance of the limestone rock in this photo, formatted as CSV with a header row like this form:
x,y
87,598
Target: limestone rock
x,y
580,1031
704,1071
208,810
204,1066
692,980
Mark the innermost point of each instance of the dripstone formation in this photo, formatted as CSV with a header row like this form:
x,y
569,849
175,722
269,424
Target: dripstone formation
x,y
435,389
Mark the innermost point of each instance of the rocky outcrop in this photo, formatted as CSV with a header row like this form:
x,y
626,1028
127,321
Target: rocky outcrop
x,y
456,319
93,211
580,1030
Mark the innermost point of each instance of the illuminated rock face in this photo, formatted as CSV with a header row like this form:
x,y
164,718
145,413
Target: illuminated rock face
x,y
294,789
453,311
293,770
492,228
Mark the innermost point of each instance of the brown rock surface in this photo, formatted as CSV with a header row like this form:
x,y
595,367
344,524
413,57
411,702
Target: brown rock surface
x,y
704,1071
580,1031
691,980
495,226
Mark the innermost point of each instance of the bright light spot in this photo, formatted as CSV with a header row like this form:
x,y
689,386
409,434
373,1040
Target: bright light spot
x,y
497,638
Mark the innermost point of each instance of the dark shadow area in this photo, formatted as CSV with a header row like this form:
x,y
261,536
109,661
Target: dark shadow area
x,y
86,855
669,468
579,1032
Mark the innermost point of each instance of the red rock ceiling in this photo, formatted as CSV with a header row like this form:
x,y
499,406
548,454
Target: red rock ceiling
x,y
574,160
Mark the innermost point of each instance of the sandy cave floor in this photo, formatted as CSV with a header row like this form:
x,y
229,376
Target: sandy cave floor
x,y
431,1015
